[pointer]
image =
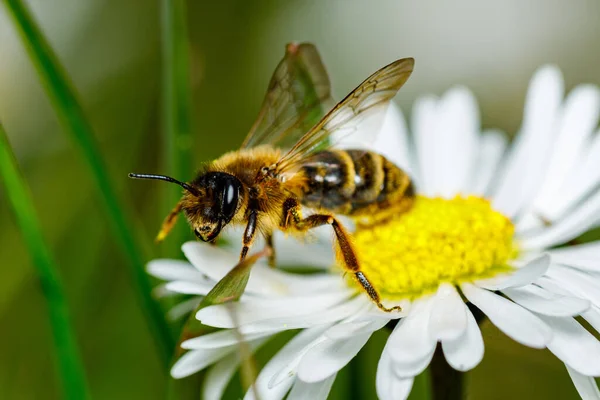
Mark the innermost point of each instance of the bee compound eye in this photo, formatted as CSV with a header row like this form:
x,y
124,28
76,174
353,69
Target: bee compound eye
x,y
230,201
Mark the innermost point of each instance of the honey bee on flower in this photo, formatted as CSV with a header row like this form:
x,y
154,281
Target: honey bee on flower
x,y
481,234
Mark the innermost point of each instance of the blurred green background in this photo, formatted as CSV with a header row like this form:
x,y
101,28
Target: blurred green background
x,y
112,52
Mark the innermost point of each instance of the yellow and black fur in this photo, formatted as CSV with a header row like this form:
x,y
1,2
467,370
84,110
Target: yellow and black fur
x,y
357,183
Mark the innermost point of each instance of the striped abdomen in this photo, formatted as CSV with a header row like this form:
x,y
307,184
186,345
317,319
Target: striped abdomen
x,y
356,183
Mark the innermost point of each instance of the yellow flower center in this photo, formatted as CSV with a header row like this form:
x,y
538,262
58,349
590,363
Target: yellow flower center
x,y
438,240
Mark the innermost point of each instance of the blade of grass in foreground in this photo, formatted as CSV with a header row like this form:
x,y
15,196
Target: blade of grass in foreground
x,y
71,115
176,106
70,366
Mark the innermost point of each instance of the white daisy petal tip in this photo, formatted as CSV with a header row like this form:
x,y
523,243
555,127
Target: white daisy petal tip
x,y
515,321
170,270
522,276
465,352
547,75
463,97
544,302
217,316
412,368
187,287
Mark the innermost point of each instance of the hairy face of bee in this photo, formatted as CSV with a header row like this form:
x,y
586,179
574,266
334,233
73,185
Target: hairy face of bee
x,y
215,204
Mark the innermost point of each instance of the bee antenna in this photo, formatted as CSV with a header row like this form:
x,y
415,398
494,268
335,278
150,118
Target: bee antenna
x,y
184,185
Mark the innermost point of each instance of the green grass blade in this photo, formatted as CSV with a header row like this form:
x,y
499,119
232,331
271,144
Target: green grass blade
x,y
70,366
176,107
71,115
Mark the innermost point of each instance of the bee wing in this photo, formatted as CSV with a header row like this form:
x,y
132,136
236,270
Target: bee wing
x,y
360,112
298,96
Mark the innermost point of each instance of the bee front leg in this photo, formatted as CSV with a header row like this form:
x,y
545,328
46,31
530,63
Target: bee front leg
x,y
249,233
348,255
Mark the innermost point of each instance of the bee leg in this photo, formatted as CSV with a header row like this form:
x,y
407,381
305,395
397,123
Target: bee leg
x,y
347,251
249,233
168,223
269,245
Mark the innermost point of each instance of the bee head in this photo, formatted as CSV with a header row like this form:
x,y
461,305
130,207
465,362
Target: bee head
x,y
209,203
213,204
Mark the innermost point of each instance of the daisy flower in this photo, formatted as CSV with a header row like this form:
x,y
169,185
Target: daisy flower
x,y
486,231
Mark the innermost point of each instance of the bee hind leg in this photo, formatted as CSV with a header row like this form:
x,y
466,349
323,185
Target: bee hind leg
x,y
348,255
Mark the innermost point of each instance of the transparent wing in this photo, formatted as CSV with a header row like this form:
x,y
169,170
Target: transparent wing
x,y
298,96
362,111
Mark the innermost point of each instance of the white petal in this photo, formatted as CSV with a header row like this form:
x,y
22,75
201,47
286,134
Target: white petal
x,y
516,322
414,367
266,388
216,262
411,341
181,309
294,351
585,385
541,301
195,360
392,141
222,338
328,357
344,330
328,316
302,285
456,132
174,270
423,127
448,319
389,386
212,261
160,291
314,391
525,166
188,287
582,180
252,310
529,221
575,223
578,120
574,345
584,256
519,277
592,316
218,376
292,252
580,283
466,351
491,149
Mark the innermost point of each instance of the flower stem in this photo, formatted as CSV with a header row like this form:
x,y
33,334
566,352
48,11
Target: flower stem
x,y
446,382
71,115
70,366
176,106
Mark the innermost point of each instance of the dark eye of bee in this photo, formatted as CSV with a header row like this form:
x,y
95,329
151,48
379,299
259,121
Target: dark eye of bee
x,y
230,200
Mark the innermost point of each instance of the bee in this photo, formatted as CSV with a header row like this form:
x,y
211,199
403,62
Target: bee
x,y
289,161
